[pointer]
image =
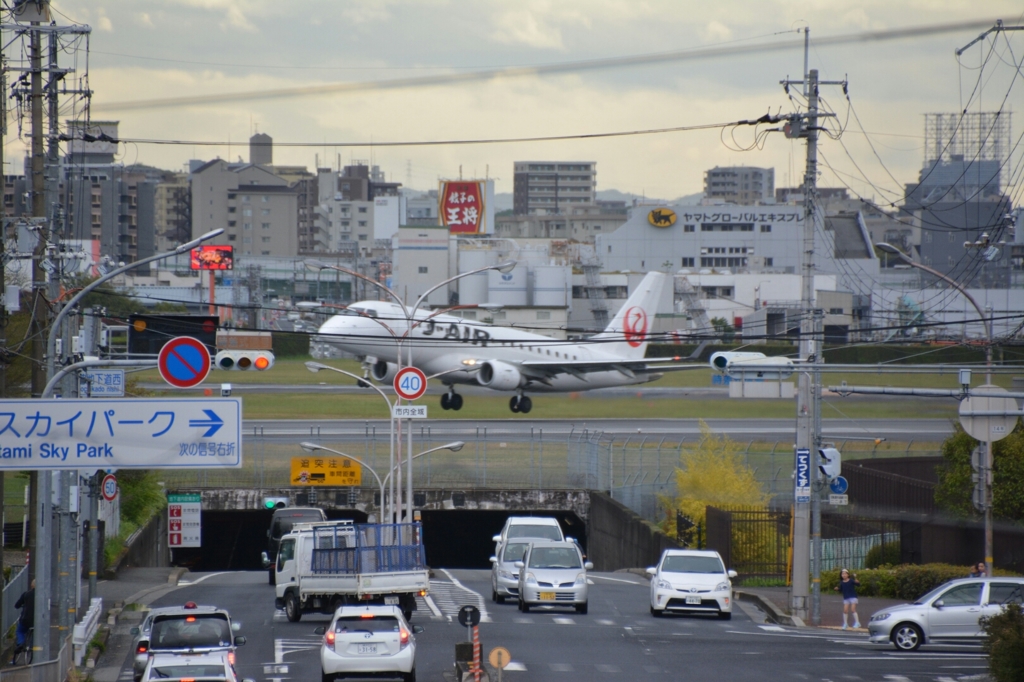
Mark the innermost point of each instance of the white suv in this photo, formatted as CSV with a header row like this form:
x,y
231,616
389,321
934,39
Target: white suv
x,y
691,581
370,640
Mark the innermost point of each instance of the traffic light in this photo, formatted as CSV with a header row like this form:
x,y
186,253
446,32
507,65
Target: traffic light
x,y
242,360
275,502
830,464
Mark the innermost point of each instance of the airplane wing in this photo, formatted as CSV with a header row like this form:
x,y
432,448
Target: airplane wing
x,y
541,369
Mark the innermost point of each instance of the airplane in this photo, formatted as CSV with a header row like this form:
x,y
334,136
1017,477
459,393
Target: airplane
x,y
459,351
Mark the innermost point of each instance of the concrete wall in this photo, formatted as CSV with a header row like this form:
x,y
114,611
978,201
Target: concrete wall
x,y
148,548
618,538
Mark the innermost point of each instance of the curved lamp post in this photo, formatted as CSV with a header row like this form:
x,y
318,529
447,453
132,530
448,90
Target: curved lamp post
x,y
313,447
410,324
51,337
987,321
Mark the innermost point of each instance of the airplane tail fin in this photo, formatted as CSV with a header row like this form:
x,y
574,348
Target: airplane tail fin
x,y
629,332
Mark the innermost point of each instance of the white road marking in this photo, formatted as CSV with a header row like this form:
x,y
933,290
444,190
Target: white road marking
x,y
432,606
605,621
449,600
522,620
560,667
617,580
199,580
564,621
772,628
605,668
516,666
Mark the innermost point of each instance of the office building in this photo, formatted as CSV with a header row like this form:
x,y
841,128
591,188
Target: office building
x,y
542,187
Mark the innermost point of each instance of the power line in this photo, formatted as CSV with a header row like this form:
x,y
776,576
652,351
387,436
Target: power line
x,y
539,70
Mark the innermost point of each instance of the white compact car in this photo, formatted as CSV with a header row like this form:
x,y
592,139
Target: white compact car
x,y
691,581
553,574
368,640
214,666
948,613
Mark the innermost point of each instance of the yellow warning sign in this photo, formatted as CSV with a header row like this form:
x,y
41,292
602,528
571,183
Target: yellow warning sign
x,y
499,657
328,471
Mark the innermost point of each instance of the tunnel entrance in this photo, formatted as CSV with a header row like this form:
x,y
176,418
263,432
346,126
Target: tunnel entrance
x,y
461,538
454,538
233,540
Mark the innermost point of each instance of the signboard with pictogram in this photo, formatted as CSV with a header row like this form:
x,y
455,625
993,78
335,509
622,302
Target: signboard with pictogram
x,y
326,471
410,383
184,520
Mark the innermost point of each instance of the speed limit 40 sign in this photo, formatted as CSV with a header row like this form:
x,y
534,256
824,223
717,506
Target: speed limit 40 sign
x,y
410,383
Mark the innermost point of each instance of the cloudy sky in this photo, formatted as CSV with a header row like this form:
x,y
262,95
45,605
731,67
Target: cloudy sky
x,y
202,50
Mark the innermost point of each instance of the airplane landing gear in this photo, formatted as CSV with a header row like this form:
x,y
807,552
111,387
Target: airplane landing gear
x,y
520,403
451,400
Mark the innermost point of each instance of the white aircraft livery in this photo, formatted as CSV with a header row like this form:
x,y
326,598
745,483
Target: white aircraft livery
x,y
458,351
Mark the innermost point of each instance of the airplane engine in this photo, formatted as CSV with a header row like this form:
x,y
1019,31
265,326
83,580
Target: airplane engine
x,y
752,366
383,372
500,376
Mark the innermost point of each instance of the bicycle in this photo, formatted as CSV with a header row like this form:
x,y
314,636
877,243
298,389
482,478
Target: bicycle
x,y
25,651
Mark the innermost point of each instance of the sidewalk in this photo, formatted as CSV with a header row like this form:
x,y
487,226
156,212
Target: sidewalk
x,y
777,599
139,586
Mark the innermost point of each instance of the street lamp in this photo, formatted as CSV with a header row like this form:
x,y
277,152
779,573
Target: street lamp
x,y
43,483
51,337
410,324
316,367
454,446
987,322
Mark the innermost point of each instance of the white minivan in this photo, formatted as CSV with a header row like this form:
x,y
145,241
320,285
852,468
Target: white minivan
x,y
539,527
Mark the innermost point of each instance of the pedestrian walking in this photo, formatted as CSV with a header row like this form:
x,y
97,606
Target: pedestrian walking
x,y
848,587
974,572
982,569
27,603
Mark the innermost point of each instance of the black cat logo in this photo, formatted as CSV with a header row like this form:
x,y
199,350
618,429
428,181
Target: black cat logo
x,y
662,217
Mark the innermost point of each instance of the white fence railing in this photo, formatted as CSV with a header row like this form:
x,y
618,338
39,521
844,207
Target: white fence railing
x,y
86,629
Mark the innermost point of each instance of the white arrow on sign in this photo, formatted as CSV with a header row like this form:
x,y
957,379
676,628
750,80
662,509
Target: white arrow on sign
x,y
150,433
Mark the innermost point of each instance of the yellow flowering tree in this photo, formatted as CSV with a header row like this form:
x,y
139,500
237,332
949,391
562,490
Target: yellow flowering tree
x,y
710,473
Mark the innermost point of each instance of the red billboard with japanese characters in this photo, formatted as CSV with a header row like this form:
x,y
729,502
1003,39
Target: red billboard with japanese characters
x,y
462,207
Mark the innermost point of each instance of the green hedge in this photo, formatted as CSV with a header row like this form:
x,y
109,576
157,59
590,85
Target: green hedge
x,y
908,581
854,355
291,345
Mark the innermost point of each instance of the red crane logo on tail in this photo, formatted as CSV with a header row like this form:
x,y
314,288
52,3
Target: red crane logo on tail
x,y
634,326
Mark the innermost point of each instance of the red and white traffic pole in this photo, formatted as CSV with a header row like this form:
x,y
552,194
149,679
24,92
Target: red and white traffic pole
x,y
476,653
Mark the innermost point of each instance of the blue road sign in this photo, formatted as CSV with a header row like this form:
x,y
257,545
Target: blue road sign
x,y
839,485
184,362
802,491
101,383
149,433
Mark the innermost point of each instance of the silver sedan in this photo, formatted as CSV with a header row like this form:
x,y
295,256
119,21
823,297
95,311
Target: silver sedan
x,y
553,574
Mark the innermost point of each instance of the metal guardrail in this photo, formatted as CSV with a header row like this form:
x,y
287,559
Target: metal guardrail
x,y
55,670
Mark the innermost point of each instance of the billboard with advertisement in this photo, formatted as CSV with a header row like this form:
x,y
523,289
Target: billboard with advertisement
x,y
462,206
209,257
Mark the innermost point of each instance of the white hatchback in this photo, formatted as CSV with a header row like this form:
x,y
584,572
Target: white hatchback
x,y
375,640
691,581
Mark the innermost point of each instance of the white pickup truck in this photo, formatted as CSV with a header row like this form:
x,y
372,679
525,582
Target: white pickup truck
x,y
321,566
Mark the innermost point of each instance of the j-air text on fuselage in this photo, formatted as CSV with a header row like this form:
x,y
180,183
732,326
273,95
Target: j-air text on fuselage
x,y
459,351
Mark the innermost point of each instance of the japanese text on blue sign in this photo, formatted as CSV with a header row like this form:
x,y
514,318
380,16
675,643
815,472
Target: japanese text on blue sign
x,y
140,434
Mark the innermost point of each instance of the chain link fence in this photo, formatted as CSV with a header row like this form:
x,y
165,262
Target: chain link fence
x,y
635,470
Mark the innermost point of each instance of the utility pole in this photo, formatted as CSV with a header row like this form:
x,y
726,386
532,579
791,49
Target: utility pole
x,y
42,522
805,594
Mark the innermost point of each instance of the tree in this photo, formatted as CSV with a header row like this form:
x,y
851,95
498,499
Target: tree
x,y
955,488
723,329
710,473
